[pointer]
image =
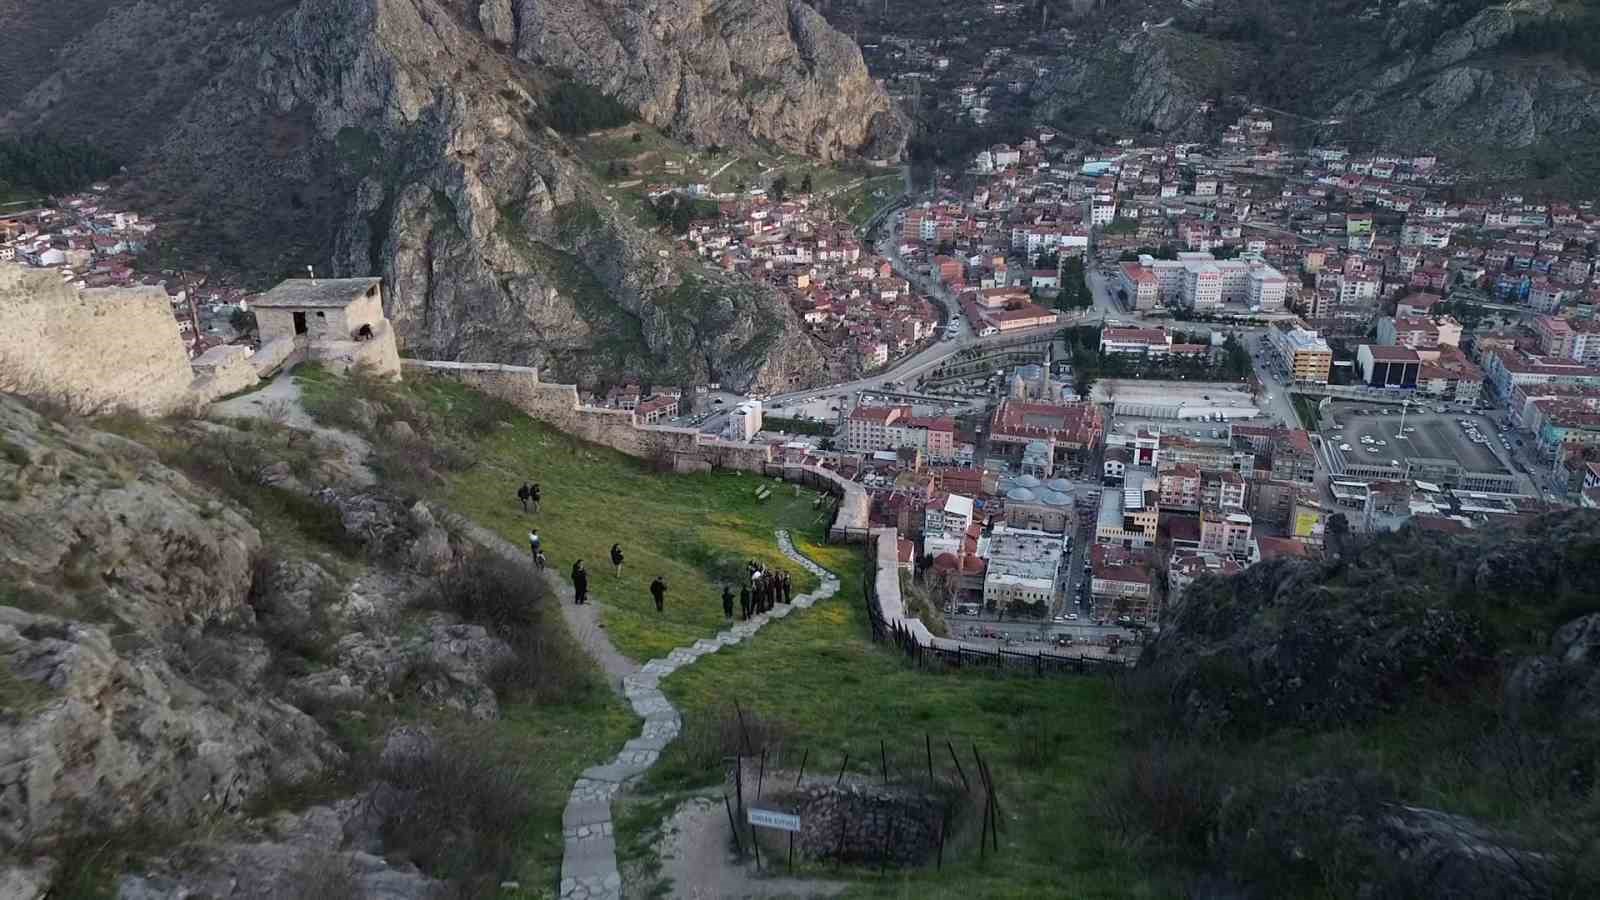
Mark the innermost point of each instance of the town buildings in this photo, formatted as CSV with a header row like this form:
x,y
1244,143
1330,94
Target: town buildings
x,y
1024,568
1304,354
1067,430
870,428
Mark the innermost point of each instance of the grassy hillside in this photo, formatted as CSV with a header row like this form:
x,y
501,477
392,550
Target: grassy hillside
x,y
1372,727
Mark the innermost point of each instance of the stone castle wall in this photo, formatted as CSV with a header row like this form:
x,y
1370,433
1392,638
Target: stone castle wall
x,y
102,348
684,449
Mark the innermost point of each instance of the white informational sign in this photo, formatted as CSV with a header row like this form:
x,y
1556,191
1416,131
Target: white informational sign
x,y
767,818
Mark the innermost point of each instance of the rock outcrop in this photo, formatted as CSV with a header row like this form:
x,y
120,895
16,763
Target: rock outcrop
x,y
1327,643
409,139
729,72
132,682
1413,76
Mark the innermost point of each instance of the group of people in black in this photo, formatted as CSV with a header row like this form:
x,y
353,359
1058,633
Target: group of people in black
x,y
580,579
529,495
762,589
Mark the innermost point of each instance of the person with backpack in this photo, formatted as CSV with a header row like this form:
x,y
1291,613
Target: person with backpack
x,y
533,543
616,558
727,602
580,584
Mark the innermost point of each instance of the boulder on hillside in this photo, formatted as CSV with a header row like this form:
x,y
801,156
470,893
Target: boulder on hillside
x,y
105,530
1564,683
107,739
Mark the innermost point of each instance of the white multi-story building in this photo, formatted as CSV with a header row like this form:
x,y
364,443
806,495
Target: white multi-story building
x,y
1268,287
1202,286
1200,280
745,422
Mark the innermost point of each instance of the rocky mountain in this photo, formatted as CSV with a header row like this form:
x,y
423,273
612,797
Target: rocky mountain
x,y
1483,649
412,139
1481,83
185,621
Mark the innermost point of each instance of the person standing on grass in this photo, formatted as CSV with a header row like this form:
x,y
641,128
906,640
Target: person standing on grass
x,y
533,496
744,601
658,590
522,494
580,584
727,602
788,588
616,558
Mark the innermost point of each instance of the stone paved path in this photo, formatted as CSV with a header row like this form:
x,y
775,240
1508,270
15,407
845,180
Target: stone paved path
x,y
589,863
582,621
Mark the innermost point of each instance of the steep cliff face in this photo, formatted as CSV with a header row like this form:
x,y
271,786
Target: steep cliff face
x,y
726,72
404,138
1451,76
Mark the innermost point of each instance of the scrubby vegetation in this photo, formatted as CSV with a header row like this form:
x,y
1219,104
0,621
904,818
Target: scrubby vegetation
x,y
576,108
51,165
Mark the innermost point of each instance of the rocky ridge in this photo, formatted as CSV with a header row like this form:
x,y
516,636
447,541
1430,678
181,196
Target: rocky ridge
x,y
1328,642
410,139
1490,640
1411,76
163,664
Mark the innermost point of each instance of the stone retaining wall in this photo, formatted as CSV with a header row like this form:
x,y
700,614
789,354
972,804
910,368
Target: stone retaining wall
x,y
862,823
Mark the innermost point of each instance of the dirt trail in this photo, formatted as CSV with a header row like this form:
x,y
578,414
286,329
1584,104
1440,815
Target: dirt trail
x,y
280,400
697,853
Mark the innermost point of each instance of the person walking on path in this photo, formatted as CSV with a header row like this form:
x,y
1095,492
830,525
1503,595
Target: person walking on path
x,y
580,584
616,558
788,587
658,590
523,493
533,496
533,544
727,602
744,601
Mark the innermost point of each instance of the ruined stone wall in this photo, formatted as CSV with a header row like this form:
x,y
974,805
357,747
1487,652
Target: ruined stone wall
x,y
102,348
221,371
864,824
681,449
557,405
378,355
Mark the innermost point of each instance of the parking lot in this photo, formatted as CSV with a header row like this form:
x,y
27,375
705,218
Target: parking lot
x,y
1373,437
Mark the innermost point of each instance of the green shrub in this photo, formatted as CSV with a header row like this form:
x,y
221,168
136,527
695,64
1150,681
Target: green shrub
x,y
467,813
53,165
575,108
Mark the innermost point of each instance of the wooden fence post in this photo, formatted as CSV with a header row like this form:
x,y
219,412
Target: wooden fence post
x,y
745,732
802,773
734,824
959,771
